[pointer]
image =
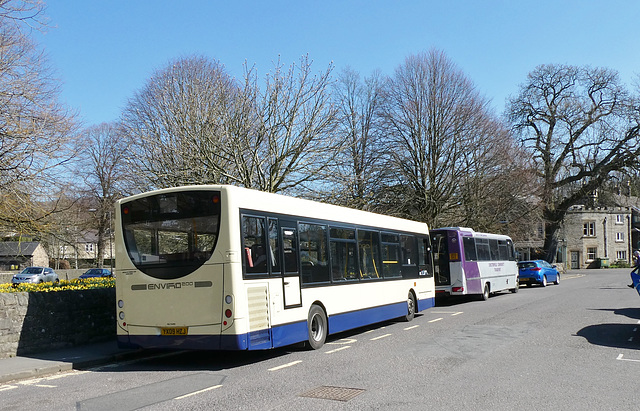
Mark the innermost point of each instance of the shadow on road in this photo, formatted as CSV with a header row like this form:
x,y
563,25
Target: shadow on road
x,y
633,313
611,335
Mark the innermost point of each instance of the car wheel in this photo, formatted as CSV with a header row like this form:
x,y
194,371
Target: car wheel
x,y
411,307
557,281
317,325
485,293
544,281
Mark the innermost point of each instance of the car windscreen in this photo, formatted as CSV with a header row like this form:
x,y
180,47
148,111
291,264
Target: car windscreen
x,y
170,235
32,270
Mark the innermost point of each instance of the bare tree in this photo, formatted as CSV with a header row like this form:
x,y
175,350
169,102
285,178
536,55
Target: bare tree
x,y
193,124
35,128
174,124
497,190
439,131
358,172
103,172
580,126
290,141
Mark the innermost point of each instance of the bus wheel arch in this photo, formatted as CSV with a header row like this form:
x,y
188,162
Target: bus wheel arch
x,y
412,306
317,326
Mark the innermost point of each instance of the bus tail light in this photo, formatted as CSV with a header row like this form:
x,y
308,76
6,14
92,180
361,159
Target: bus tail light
x,y
454,257
457,289
228,313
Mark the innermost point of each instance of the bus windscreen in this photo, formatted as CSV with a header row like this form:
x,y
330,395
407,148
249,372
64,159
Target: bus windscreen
x,y
170,235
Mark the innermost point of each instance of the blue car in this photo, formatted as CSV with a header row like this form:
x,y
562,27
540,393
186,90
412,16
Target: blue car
x,y
96,273
538,272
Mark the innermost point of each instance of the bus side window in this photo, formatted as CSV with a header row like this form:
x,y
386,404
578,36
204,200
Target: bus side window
x,y
511,251
469,245
274,251
314,250
369,252
493,248
410,256
344,263
390,255
425,258
253,238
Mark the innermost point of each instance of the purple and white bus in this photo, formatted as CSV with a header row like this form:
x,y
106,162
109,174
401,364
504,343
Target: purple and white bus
x,y
467,262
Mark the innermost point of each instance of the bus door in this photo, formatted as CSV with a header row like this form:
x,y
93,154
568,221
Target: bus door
x,y
291,272
441,259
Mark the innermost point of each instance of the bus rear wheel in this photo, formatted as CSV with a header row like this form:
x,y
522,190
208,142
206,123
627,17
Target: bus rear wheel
x,y
317,325
485,293
411,307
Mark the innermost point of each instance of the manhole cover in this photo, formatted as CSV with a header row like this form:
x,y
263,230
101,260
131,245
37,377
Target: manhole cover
x,y
333,393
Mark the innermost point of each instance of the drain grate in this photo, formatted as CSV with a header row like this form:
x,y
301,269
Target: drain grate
x,y
333,393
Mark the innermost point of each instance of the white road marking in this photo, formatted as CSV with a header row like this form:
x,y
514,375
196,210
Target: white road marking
x,y
380,337
625,359
284,366
436,319
338,349
411,328
7,387
35,381
458,313
198,392
343,341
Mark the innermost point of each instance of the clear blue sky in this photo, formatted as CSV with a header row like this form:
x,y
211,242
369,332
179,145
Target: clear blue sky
x,y
103,51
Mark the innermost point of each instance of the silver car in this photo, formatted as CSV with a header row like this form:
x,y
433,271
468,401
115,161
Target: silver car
x,y
35,275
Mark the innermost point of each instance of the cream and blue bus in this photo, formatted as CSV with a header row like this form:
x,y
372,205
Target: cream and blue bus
x,y
226,268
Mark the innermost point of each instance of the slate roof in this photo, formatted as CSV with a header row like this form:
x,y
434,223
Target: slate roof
x,y
15,248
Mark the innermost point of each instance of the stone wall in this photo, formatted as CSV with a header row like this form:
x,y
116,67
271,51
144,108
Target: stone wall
x,y
41,321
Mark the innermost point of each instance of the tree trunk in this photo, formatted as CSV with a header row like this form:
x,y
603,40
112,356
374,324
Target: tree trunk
x,y
551,227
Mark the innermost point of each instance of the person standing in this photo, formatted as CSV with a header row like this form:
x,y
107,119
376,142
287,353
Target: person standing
x,y
635,273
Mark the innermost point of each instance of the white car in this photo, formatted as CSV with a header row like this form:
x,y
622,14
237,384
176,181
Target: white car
x,y
35,275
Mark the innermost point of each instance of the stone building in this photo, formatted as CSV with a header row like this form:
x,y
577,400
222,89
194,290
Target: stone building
x,y
595,237
16,255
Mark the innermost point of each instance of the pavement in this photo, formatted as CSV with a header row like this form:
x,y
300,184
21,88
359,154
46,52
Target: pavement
x,y
47,363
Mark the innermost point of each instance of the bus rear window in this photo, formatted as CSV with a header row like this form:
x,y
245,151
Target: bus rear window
x,y
170,235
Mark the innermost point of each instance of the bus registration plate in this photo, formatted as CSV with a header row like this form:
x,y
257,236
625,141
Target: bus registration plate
x,y
174,331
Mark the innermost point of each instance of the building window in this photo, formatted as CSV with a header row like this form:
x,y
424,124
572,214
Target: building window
x,y
591,253
621,255
619,237
589,229
619,219
88,247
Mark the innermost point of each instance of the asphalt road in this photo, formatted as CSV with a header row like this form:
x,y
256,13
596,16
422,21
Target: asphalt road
x,y
574,346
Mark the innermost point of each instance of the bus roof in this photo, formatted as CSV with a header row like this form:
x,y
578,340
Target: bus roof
x,y
471,232
245,198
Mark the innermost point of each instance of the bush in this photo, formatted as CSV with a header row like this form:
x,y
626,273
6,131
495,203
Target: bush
x,y
63,285
621,264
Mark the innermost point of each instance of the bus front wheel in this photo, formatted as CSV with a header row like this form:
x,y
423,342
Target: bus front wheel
x,y
411,307
317,325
